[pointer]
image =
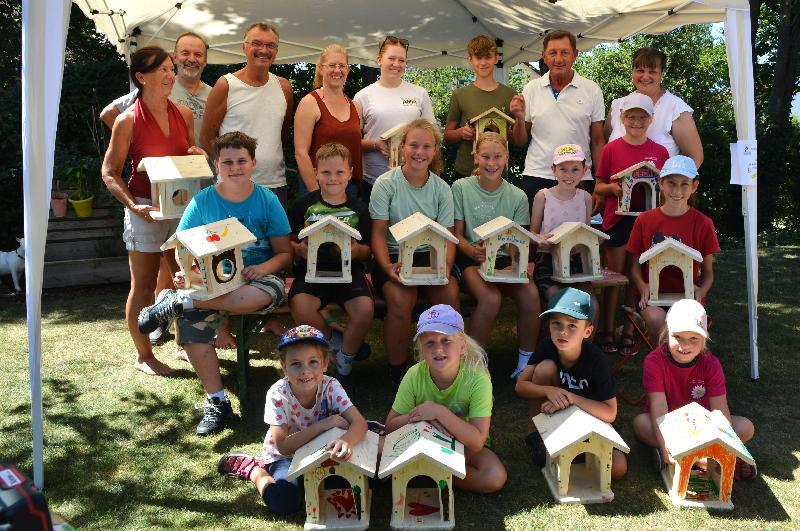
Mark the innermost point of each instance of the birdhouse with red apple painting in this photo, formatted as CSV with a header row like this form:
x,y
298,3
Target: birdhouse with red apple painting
x,y
337,490
210,257
422,461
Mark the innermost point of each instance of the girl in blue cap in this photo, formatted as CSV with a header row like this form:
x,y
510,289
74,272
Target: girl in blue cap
x,y
450,386
300,406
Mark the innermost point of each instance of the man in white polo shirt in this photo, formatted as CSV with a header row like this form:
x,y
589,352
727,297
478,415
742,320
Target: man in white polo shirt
x,y
561,107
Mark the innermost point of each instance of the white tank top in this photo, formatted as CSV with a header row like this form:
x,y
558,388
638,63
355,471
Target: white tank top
x,y
259,112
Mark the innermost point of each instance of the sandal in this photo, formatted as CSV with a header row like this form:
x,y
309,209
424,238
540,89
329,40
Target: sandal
x,y
605,340
627,344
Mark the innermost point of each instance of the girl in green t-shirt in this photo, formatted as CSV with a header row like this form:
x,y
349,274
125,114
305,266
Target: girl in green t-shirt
x,y
450,387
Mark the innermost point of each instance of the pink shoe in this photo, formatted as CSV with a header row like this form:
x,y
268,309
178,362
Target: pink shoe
x,y
238,465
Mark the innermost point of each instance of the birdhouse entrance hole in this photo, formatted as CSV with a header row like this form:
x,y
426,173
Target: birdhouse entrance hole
x,y
423,505
180,197
338,501
704,480
647,191
666,272
512,252
425,268
580,260
584,473
224,266
330,249
194,273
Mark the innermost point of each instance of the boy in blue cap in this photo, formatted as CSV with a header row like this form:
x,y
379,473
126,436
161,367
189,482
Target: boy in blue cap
x,y
566,370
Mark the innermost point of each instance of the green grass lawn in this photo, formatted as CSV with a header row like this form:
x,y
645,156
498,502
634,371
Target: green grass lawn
x,y
120,449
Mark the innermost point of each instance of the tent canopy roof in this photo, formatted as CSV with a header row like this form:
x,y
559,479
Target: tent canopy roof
x,y
438,29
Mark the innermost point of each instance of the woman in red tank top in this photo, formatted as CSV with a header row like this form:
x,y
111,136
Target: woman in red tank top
x,y
327,115
152,127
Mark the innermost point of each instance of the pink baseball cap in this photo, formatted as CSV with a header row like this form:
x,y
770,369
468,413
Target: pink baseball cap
x,y
567,153
688,315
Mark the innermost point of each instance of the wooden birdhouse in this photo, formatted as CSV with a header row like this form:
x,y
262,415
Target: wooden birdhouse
x,y
645,175
500,232
393,137
567,434
670,252
210,257
418,230
494,120
422,461
174,181
337,491
329,230
692,433
574,237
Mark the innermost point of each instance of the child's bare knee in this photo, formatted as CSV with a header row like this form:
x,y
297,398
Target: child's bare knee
x,y
619,465
545,372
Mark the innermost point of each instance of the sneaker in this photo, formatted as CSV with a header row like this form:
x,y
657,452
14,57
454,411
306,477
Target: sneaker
x,y
157,336
238,465
364,352
167,307
537,449
215,411
346,380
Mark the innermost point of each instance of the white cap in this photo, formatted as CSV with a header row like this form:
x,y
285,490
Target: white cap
x,y
634,100
687,315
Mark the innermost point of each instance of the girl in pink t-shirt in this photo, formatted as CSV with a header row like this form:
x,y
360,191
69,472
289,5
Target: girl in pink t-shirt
x,y
683,370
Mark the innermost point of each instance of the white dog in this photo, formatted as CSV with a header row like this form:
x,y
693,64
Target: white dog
x,y
13,263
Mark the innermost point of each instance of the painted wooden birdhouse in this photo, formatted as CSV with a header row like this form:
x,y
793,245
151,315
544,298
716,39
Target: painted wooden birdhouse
x,y
337,491
418,230
692,433
422,461
574,237
329,231
567,434
493,120
174,181
210,257
670,252
393,137
498,233
643,175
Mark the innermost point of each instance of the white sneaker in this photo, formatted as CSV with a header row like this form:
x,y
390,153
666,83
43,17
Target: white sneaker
x,y
156,336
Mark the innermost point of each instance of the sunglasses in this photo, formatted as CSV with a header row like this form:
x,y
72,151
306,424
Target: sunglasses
x,y
391,39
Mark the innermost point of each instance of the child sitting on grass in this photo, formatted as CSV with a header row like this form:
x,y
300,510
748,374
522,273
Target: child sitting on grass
x,y
257,208
683,370
451,387
333,169
300,406
567,369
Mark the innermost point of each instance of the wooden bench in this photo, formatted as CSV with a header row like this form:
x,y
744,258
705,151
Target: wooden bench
x,y
247,326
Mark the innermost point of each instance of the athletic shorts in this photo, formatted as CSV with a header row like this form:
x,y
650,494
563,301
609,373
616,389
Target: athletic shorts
x,y
333,293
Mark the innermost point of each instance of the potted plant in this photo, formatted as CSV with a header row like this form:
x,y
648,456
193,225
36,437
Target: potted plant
x,y
83,181
58,201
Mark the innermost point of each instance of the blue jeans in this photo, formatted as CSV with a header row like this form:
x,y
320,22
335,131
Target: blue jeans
x,y
283,497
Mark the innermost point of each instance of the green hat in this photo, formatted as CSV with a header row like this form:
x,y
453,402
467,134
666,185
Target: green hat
x,y
572,302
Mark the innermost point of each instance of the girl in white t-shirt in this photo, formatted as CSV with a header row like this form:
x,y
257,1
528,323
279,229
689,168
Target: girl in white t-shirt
x,y
388,102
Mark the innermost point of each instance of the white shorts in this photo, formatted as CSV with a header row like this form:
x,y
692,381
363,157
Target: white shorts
x,y
139,235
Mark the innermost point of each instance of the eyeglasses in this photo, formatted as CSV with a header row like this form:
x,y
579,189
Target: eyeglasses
x,y
337,66
391,39
258,45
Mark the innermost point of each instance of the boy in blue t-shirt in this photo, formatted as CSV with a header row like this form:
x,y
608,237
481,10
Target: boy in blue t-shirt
x,y
258,209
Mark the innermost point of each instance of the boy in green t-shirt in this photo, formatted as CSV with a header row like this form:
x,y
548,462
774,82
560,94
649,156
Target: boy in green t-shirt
x,y
470,101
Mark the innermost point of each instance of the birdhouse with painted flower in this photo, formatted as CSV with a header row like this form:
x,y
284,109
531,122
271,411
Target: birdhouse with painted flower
x,y
422,461
174,181
337,490
210,257
691,434
639,185
503,233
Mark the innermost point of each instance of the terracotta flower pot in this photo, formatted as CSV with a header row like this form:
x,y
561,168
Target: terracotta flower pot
x,y
58,202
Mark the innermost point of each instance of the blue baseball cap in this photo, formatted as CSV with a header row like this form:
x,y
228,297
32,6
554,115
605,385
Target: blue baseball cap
x,y
302,333
572,302
440,318
679,165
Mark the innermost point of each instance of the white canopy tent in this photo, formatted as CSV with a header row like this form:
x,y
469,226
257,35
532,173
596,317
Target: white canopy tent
x,y
437,29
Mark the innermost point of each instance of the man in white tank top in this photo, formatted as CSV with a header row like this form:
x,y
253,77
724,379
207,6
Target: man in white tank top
x,y
255,102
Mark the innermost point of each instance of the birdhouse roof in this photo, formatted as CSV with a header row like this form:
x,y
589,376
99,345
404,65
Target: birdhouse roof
x,y
389,133
567,426
569,227
500,224
422,440
212,238
693,427
326,221
670,243
315,452
628,171
162,169
416,223
493,110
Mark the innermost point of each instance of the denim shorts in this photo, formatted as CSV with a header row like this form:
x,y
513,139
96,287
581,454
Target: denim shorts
x,y
139,235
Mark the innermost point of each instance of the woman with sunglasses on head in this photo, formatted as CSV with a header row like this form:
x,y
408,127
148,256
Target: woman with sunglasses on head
x,y
327,115
388,102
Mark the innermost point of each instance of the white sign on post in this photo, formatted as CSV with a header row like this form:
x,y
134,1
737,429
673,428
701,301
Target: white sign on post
x,y
744,163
